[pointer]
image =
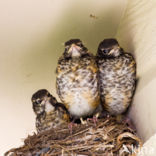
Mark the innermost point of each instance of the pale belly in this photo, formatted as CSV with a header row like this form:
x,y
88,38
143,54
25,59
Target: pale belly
x,y
80,106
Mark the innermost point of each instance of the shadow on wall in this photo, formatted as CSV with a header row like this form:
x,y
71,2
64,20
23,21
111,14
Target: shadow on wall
x,y
137,35
40,62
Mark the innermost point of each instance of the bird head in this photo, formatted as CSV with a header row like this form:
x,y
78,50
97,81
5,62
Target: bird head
x,y
74,48
41,101
109,48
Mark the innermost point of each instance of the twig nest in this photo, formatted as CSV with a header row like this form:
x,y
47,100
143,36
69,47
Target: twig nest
x,y
107,137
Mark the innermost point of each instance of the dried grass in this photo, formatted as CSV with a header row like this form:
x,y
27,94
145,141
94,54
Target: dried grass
x,y
107,138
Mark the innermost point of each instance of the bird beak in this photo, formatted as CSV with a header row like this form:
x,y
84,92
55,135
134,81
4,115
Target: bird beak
x,y
75,50
115,49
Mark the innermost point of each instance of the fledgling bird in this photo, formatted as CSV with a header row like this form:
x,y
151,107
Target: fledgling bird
x,y
76,81
49,113
116,76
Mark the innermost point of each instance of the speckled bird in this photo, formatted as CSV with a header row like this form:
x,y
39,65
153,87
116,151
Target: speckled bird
x,y
76,81
49,113
116,76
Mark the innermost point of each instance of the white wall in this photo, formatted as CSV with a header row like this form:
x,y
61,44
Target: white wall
x,y
31,37
137,34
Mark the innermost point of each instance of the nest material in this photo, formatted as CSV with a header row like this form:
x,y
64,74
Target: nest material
x,y
108,138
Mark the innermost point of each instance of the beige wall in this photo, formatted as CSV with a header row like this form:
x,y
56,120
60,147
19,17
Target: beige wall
x,y
137,34
31,37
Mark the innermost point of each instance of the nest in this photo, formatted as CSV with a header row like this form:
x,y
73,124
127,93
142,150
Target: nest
x,y
108,137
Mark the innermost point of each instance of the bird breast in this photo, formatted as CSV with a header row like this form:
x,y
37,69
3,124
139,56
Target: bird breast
x,y
77,86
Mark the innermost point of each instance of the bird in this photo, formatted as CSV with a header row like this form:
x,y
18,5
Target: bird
x,y
76,80
116,76
49,112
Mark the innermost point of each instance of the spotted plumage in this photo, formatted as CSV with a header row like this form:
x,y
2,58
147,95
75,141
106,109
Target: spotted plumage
x,y
116,76
49,113
76,80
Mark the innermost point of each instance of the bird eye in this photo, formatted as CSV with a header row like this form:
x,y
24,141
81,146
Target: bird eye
x,y
49,95
38,101
105,50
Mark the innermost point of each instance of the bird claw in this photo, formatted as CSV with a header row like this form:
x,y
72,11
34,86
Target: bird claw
x,y
70,126
94,119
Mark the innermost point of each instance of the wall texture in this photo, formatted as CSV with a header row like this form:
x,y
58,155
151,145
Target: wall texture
x,y
32,34
137,34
